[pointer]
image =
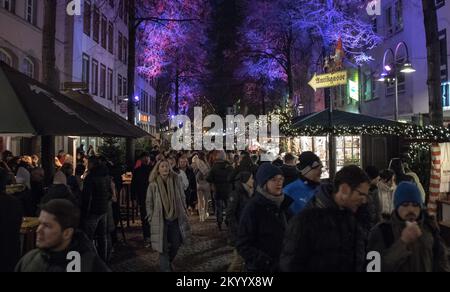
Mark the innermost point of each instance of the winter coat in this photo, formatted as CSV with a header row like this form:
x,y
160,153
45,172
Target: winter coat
x,y
155,213
139,183
236,204
324,238
252,168
96,192
41,261
385,194
370,213
290,173
11,216
427,254
219,176
301,192
261,232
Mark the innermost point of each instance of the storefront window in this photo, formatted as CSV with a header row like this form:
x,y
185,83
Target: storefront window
x,y
348,151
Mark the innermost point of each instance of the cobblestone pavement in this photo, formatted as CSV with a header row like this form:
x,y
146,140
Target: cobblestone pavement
x,y
207,252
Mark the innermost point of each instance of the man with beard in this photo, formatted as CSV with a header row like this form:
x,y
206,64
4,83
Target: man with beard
x,y
410,240
56,237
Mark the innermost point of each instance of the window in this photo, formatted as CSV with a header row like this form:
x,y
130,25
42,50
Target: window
x,y
444,55
390,89
9,5
121,9
125,87
440,3
389,21
125,50
28,67
5,57
111,38
110,84
96,24
85,70
102,81
94,77
446,96
125,11
119,86
368,83
398,15
120,47
30,11
104,31
87,18
141,101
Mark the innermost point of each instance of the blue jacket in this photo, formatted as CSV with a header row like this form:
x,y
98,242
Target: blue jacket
x,y
301,193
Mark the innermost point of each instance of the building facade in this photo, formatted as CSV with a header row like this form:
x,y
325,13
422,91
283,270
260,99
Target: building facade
x,y
91,55
402,21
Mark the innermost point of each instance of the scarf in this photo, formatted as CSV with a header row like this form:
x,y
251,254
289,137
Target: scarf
x,y
278,200
168,197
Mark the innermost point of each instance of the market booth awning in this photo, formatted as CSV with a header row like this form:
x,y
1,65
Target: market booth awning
x,y
342,119
31,108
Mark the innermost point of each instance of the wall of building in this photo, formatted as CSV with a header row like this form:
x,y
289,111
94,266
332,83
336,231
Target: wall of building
x,y
413,95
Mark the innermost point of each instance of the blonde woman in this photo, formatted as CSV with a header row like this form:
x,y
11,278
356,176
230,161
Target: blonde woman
x,y
201,169
167,215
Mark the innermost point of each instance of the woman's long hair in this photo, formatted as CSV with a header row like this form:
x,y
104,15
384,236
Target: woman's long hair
x,y
155,172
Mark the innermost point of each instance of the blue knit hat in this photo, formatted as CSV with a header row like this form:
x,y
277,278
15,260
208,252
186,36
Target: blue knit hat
x,y
407,192
266,172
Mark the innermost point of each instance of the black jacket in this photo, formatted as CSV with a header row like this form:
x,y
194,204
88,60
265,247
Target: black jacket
x,y
252,168
42,261
236,204
140,182
96,192
261,232
220,176
191,192
324,238
290,173
11,215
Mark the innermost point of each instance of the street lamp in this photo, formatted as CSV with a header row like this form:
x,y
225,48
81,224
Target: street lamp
x,y
391,71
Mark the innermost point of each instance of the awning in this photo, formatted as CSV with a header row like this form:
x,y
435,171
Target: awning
x,y
30,107
87,101
341,119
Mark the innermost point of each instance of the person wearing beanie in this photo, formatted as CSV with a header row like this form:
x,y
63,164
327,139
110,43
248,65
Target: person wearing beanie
x,y
410,241
309,173
264,221
327,236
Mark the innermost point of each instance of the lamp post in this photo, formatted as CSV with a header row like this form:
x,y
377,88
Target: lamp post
x,y
392,70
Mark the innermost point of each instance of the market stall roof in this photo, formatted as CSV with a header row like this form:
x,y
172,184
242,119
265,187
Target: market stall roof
x,y
31,108
88,101
341,119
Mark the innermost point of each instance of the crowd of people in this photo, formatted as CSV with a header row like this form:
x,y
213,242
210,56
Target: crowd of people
x,y
279,216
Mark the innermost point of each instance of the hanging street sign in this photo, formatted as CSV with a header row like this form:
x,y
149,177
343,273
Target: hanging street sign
x,y
329,80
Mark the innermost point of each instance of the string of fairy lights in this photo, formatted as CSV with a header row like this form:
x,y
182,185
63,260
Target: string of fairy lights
x,y
429,134
408,131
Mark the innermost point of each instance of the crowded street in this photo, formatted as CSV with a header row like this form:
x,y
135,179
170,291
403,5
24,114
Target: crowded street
x,y
224,137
